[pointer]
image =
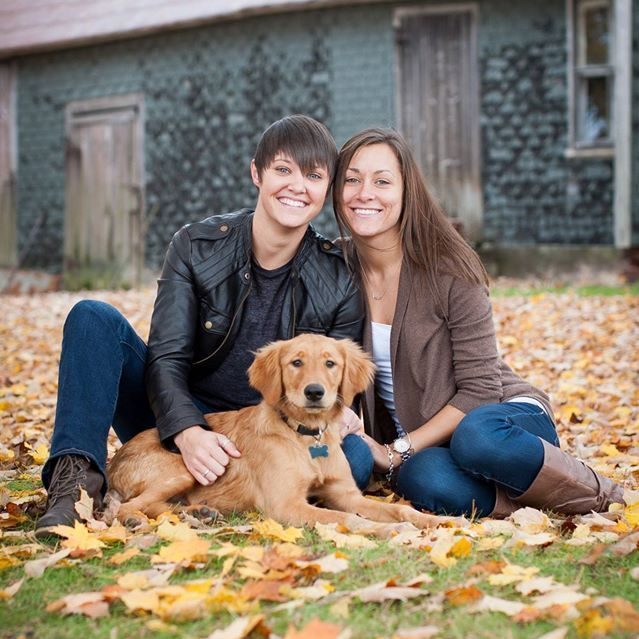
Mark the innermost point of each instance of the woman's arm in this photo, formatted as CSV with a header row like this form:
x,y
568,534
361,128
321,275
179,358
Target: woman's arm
x,y
475,362
434,432
173,326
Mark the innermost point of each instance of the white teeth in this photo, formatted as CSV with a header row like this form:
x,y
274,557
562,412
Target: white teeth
x,y
295,203
367,212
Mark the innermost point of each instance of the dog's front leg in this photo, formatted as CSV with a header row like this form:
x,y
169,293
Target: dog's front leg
x,y
152,501
344,495
300,512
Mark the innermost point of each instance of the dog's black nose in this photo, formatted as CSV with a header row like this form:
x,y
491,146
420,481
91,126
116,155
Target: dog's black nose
x,y
314,392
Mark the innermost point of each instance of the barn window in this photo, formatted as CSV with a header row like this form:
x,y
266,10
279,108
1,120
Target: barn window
x,y
592,74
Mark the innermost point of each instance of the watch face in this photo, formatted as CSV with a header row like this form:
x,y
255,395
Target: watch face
x,y
401,445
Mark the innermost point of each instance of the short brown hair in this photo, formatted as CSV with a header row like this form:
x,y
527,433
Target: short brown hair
x,y
429,240
305,140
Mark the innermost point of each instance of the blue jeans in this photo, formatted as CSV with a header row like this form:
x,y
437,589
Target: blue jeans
x,y
101,384
493,444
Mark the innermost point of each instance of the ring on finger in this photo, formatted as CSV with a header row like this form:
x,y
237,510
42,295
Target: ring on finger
x,y
208,470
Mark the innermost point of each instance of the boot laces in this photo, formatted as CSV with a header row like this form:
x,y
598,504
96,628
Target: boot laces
x,y
69,474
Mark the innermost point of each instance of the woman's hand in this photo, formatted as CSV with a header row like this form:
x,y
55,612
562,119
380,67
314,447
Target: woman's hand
x,y
205,453
350,423
380,455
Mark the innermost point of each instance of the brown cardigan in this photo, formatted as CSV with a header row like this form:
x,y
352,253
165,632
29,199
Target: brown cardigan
x,y
441,356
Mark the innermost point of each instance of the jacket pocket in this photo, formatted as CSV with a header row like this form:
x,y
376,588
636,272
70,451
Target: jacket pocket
x,y
213,328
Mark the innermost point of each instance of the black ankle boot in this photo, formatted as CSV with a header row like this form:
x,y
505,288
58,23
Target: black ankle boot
x,y
71,473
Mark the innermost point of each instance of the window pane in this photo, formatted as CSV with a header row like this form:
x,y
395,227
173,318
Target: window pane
x,y
597,35
594,114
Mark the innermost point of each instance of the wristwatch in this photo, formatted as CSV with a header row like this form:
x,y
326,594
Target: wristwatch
x,y
403,447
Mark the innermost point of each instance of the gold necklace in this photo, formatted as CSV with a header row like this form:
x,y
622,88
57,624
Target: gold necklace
x,y
378,297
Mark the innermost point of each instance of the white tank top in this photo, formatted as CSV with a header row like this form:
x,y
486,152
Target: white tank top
x,y
384,376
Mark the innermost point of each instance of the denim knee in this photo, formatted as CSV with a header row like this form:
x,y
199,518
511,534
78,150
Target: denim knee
x,y
472,443
360,459
432,480
423,480
81,318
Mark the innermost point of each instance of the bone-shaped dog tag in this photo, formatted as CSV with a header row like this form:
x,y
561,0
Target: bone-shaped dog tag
x,y
318,451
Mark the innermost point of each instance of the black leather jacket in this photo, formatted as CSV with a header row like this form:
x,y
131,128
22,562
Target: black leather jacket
x,y
205,279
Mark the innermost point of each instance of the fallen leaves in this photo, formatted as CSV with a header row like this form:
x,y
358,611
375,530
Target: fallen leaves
x,y
79,540
581,349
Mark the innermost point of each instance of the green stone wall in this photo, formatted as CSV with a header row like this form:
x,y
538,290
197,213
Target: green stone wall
x,y
210,91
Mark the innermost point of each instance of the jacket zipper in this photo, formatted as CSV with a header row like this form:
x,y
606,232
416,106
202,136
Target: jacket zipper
x,y
294,318
237,310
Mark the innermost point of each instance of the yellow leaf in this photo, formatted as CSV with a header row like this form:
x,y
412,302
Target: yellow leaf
x,y
461,548
594,624
6,455
329,532
179,551
115,532
18,389
79,540
271,528
178,532
610,449
84,506
133,580
39,454
440,550
121,557
512,573
631,514
141,600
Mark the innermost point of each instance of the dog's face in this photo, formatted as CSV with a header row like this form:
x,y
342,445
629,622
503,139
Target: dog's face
x,y
311,372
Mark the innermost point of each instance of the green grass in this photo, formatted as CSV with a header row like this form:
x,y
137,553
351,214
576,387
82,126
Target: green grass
x,y
590,290
26,613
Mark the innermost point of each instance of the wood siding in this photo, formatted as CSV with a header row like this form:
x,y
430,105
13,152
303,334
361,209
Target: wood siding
x,y
104,190
8,239
36,25
439,106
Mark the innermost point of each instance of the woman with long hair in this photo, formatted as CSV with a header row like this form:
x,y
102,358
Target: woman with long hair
x,y
448,422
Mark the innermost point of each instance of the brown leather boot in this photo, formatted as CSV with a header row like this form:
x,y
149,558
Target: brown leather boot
x,y
566,485
71,473
504,505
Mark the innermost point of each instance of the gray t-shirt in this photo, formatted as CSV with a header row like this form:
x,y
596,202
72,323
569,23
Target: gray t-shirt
x,y
227,388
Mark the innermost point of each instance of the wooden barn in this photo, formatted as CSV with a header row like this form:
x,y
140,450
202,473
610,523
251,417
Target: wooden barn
x,y
121,120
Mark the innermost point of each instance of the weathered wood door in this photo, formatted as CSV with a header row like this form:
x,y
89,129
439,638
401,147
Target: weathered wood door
x,y
104,225
438,104
8,222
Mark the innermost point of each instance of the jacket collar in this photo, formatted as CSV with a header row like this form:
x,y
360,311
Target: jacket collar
x,y
247,242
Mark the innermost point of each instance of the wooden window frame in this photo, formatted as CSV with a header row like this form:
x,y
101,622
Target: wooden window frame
x,y
578,70
620,151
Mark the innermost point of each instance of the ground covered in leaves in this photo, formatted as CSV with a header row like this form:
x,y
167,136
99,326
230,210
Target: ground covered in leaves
x,y
533,575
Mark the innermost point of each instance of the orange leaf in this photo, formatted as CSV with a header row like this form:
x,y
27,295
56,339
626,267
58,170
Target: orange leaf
x,y
316,629
463,595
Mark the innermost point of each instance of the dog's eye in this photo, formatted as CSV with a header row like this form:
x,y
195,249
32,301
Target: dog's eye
x,y
330,363
297,363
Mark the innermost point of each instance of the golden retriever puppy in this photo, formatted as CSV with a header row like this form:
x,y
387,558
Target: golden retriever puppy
x,y
290,446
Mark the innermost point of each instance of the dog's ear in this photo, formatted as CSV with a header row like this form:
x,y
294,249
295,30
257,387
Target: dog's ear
x,y
265,373
358,371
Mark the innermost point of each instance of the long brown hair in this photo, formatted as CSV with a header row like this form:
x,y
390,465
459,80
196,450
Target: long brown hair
x,y
429,241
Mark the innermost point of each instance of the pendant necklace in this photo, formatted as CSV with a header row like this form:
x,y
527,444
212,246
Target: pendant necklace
x,y
379,296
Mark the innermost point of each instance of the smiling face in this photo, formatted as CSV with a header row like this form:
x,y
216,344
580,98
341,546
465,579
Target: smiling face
x,y
288,196
372,193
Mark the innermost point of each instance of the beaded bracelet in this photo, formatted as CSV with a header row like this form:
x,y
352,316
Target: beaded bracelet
x,y
391,466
